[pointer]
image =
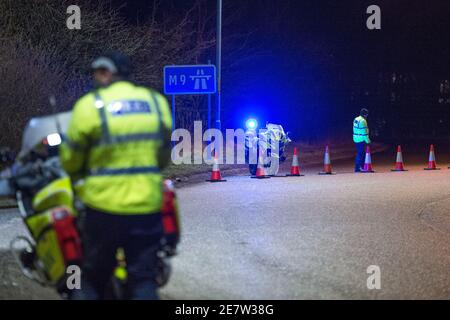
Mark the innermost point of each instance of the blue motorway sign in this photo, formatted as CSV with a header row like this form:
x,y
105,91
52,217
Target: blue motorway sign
x,y
195,79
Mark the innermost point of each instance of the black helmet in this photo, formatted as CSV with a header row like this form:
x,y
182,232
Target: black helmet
x,y
364,112
116,62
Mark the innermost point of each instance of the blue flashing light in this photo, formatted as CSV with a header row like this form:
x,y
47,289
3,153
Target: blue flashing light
x,y
251,124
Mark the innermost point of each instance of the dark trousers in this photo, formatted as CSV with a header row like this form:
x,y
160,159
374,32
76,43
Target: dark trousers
x,y
360,155
102,233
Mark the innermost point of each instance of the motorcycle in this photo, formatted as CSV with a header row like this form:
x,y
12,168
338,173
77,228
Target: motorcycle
x,y
265,145
46,198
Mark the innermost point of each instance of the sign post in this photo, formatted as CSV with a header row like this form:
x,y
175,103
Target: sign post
x,y
219,64
173,112
190,80
193,79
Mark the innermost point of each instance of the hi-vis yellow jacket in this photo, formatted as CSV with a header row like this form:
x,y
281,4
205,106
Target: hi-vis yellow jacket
x,y
360,130
118,140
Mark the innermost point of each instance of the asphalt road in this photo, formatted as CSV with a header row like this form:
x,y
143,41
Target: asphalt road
x,y
313,236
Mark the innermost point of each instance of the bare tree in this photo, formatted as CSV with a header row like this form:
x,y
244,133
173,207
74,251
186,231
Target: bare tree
x,y
41,57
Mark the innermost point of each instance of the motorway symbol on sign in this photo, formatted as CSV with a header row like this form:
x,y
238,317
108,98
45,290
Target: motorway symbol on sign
x,y
195,79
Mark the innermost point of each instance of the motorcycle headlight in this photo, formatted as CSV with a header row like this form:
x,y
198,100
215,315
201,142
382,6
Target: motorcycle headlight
x,y
54,139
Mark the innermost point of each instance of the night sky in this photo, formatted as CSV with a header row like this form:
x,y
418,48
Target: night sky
x,y
307,58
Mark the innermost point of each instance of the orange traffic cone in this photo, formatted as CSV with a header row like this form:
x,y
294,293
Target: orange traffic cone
x,y
215,175
399,162
327,163
432,160
295,168
368,162
260,171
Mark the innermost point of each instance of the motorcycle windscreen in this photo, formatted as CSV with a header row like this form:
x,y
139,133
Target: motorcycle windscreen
x,y
40,129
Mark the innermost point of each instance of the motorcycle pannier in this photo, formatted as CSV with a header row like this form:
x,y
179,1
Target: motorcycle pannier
x,y
58,244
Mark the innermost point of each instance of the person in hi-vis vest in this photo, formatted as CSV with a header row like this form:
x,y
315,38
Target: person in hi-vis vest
x,y
117,143
361,138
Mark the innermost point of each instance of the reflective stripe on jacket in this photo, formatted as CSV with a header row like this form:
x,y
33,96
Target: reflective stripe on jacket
x,y
360,130
113,141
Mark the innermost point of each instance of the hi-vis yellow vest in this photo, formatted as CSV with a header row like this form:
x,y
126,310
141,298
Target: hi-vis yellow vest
x,y
113,142
360,130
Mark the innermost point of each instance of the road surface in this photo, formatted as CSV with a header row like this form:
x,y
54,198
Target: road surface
x,y
314,236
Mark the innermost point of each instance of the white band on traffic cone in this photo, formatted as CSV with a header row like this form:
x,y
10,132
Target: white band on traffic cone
x,y
295,161
327,158
368,159
399,157
431,157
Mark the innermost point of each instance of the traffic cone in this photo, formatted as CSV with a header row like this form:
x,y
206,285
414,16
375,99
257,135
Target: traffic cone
x,y
399,162
368,162
295,168
432,160
215,175
327,163
260,171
